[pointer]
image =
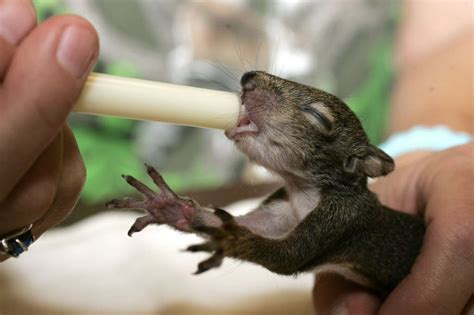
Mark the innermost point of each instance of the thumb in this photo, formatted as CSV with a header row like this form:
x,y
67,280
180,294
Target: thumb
x,y
334,295
43,81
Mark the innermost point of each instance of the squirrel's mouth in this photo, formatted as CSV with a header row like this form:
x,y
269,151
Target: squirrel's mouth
x,y
245,126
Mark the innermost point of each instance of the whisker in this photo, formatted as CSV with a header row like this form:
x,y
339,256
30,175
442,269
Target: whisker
x,y
219,66
239,52
245,62
258,52
220,84
284,64
275,55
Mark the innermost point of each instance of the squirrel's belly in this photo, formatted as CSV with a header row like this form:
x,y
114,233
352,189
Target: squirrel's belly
x,y
346,271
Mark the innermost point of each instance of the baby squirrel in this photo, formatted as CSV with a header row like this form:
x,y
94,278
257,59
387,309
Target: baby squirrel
x,y
324,218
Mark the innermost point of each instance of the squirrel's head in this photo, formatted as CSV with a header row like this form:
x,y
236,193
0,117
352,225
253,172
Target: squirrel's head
x,y
294,129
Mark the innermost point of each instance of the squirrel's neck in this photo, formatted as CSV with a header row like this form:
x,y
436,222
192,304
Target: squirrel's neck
x,y
306,193
303,196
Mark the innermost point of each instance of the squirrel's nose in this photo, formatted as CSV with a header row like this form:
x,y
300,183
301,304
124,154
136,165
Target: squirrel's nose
x,y
247,76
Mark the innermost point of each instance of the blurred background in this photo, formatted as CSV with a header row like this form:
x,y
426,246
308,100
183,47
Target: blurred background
x,y
344,47
341,46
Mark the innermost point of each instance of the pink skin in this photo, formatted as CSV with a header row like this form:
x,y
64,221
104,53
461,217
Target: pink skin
x,y
253,106
165,207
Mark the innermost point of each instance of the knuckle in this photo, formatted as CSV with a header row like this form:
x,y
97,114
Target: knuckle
x,y
455,164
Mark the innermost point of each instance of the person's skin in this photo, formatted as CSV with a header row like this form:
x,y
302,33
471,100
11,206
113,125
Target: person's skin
x,y
42,71
434,87
438,69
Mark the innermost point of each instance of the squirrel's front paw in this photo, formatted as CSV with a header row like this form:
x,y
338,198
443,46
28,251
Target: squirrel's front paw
x,y
221,241
165,207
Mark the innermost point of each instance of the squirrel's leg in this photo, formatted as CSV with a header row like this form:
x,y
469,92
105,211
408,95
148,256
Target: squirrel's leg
x,y
286,255
272,219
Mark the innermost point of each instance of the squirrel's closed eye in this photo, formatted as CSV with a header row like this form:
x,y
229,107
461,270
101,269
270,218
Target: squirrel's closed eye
x,y
249,86
318,114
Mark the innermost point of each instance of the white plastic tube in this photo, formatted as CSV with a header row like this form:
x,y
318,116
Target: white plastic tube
x,y
147,100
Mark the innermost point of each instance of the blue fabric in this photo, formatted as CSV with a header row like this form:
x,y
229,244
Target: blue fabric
x,y
435,138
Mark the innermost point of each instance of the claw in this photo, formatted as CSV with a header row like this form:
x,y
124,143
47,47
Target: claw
x,y
219,237
212,262
131,231
204,247
199,271
141,223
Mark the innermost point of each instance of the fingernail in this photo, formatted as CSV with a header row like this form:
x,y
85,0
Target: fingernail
x,y
16,20
76,50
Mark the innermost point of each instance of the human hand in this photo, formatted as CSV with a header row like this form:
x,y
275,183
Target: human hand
x,y
437,186
42,71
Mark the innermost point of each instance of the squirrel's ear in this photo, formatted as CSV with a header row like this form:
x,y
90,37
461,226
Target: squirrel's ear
x,y
374,163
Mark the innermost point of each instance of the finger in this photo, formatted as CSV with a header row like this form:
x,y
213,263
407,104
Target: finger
x,y
226,217
204,247
72,179
332,294
44,80
389,190
34,194
139,186
442,278
212,262
159,181
17,19
141,223
124,203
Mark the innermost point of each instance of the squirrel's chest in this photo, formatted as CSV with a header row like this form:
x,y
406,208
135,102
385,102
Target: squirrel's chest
x,y
304,201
